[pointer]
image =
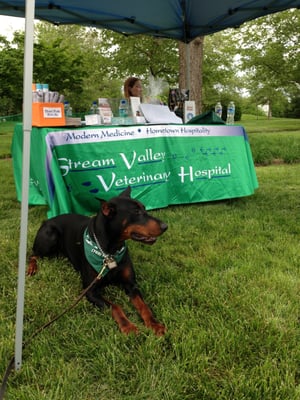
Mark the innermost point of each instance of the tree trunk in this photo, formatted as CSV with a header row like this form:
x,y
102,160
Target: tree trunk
x,y
269,110
190,69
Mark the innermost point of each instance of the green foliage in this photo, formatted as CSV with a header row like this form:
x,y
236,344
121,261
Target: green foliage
x,y
142,56
224,279
269,50
293,108
54,66
250,106
11,75
262,57
221,81
75,67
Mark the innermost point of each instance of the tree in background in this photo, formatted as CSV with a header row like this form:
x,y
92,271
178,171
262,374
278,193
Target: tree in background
x,y
11,74
154,60
190,70
69,58
261,60
222,80
167,61
270,58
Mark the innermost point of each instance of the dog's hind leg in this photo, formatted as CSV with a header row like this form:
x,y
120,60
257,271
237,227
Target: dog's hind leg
x,y
46,244
32,266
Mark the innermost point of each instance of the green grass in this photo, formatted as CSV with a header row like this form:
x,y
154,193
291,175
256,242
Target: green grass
x,y
273,141
6,131
224,279
262,124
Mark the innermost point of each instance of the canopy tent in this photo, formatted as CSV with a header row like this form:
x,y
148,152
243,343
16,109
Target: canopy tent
x,y
182,20
177,19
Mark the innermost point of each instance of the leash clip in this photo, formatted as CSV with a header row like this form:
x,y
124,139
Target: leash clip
x,y
110,262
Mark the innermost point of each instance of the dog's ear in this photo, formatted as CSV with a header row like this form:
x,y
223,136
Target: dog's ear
x,y
108,209
126,192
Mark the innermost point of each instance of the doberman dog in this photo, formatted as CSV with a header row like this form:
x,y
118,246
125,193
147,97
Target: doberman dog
x,y
99,242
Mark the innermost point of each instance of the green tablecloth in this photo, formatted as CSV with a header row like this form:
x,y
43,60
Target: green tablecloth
x,y
164,165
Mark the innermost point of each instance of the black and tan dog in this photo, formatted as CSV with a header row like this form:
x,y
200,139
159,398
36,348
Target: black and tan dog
x,y
99,244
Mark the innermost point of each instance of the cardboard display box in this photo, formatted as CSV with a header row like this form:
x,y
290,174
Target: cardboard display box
x,y
48,114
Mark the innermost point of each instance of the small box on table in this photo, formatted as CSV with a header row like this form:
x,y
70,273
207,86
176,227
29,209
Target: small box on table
x,y
48,114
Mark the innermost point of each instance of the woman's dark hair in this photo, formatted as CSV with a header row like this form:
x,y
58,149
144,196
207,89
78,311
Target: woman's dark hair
x,y
128,85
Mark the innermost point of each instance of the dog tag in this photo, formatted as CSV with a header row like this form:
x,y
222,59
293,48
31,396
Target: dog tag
x,y
110,262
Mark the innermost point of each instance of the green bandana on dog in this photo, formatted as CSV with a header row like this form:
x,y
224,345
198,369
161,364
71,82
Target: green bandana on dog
x,y
97,258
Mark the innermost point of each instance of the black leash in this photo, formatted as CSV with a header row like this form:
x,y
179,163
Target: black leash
x,y
12,360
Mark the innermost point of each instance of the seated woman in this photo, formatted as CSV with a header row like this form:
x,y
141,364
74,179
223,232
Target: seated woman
x,y
133,87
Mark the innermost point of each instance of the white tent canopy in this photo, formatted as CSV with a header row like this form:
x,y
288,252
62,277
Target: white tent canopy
x,y
182,20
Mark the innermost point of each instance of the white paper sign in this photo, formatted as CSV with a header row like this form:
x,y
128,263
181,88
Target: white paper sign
x,y
52,112
189,110
159,114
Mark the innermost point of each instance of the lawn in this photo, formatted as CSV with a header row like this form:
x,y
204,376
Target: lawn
x,y
262,124
224,279
275,140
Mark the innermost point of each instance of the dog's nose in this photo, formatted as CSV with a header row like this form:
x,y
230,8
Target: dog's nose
x,y
163,226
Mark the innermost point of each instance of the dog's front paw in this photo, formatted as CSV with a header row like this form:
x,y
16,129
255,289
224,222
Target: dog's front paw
x,y
158,329
129,328
123,322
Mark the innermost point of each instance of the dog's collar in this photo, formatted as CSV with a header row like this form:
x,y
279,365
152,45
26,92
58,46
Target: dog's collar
x,y
98,259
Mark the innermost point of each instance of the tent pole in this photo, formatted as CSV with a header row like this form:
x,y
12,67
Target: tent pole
x,y
27,124
187,66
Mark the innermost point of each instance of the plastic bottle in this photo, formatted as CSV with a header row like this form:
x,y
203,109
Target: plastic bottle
x,y
68,109
230,113
94,108
70,112
39,92
46,94
123,110
218,109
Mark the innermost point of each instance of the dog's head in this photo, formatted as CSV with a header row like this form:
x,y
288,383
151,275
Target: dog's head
x,y
129,219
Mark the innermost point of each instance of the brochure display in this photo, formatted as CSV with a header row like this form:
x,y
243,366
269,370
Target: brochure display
x,y
48,114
